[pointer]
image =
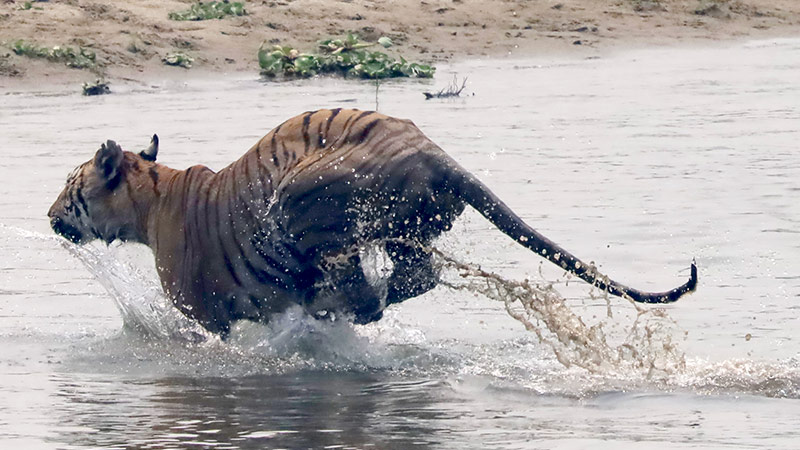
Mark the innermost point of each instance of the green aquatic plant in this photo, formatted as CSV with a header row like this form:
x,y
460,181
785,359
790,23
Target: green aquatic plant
x,y
283,60
347,57
350,43
27,6
79,58
210,10
179,59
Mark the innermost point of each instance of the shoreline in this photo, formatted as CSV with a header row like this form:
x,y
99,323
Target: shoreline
x,y
45,83
131,42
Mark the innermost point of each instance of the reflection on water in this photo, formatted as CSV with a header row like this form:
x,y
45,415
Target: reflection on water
x,y
639,162
311,410
377,410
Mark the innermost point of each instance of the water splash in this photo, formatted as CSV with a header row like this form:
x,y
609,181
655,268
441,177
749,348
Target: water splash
x,y
139,299
291,341
648,349
577,359
768,379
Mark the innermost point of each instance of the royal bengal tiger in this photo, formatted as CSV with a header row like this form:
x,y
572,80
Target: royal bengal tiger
x,y
285,224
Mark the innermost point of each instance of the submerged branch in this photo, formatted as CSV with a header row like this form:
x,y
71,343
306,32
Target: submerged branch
x,y
453,90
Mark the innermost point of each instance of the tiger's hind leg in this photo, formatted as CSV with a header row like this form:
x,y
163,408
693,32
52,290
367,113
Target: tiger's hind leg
x,y
413,273
343,288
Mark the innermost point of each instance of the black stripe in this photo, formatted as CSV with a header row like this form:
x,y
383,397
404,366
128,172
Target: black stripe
x,y
287,155
306,122
258,192
320,138
209,210
262,276
114,182
345,128
257,302
384,144
154,176
219,234
365,131
333,115
198,206
184,200
304,197
249,185
257,244
274,145
229,266
374,156
255,240
362,115
79,197
197,233
288,252
130,196
262,170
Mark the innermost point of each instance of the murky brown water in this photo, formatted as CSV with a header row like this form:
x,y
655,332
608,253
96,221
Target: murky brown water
x,y
639,162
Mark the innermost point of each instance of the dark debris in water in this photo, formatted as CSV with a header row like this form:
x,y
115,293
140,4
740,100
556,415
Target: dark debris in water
x,y
99,87
452,90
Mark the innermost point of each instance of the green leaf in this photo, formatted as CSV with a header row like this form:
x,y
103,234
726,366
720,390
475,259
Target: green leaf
x,y
351,40
178,59
385,42
210,10
306,65
81,58
346,56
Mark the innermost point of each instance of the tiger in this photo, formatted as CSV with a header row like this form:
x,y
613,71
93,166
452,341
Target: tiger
x,y
286,224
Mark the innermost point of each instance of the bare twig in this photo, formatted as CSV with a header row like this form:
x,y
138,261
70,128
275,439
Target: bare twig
x,y
453,90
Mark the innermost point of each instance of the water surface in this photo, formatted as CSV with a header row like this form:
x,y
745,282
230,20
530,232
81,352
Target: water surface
x,y
639,162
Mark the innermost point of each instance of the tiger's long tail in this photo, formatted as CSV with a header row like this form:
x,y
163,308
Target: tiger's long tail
x,y
475,193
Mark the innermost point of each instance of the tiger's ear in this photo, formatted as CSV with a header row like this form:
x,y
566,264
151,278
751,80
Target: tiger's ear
x,y
108,162
152,151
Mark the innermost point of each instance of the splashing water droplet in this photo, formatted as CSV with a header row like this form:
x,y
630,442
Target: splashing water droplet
x,y
647,350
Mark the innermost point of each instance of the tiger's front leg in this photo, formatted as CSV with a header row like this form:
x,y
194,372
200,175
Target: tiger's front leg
x,y
343,288
413,273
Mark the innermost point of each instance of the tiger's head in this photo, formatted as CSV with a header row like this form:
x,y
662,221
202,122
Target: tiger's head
x,y
102,198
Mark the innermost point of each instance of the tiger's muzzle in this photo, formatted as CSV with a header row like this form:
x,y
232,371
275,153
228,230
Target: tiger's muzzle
x,y
66,230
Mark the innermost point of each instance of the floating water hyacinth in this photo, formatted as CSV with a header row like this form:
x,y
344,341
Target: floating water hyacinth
x,y
178,59
79,58
27,6
346,57
210,10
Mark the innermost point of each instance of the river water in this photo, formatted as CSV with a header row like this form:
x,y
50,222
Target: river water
x,y
639,161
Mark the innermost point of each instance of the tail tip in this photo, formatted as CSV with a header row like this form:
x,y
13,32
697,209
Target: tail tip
x,y
692,285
